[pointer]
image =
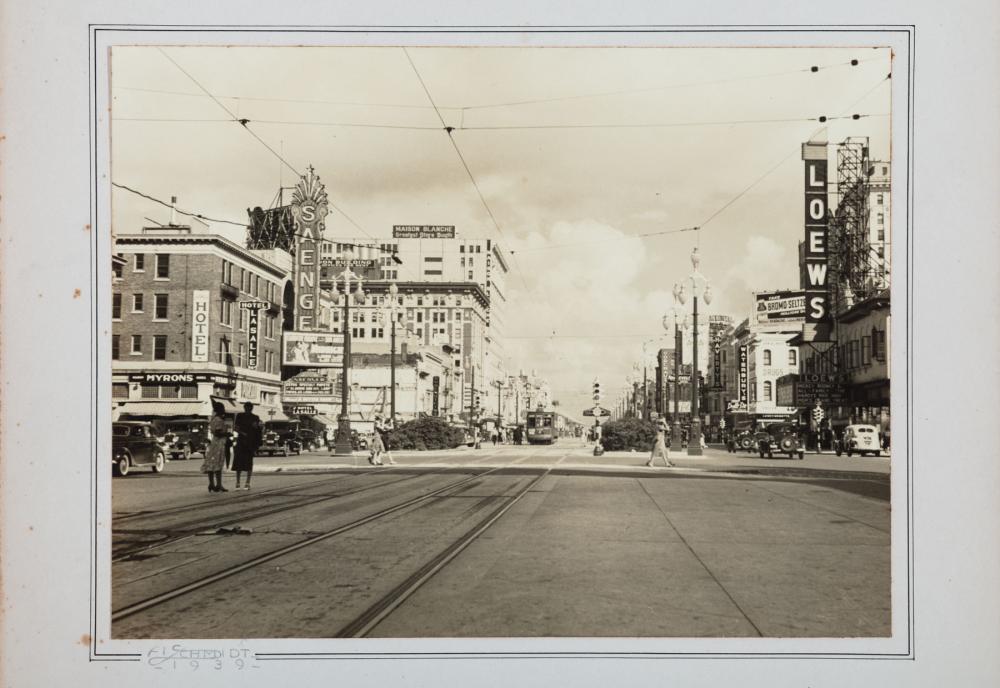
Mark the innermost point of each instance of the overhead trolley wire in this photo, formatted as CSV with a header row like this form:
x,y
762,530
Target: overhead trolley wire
x,y
448,130
244,122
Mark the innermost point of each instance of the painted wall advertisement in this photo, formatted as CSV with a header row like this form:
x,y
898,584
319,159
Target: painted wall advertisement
x,y
313,349
780,307
423,231
199,324
309,208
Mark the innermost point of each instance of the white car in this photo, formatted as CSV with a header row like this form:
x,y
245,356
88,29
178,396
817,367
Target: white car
x,y
861,439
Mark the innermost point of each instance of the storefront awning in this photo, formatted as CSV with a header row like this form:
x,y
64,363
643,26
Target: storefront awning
x,y
163,408
265,413
325,420
228,403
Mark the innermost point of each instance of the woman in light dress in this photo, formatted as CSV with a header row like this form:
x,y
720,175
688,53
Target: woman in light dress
x,y
215,456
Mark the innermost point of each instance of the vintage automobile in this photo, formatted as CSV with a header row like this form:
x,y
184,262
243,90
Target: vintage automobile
x,y
743,438
134,443
272,443
860,439
780,438
309,440
185,437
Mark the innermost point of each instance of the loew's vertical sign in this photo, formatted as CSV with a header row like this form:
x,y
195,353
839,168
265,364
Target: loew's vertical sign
x,y
309,208
816,254
199,324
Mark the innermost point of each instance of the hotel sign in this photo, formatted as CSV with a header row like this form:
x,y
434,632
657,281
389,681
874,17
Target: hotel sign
x,y
309,208
816,254
423,231
253,331
199,324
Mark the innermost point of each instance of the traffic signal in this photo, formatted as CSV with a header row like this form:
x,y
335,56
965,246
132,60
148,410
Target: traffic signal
x,y
597,391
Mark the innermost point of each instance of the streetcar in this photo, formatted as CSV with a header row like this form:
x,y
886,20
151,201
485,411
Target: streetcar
x,y
541,426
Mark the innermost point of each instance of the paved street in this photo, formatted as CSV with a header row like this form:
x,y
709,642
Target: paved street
x,y
507,541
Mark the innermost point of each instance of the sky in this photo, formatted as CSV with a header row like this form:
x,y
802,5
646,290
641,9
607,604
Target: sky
x,y
588,163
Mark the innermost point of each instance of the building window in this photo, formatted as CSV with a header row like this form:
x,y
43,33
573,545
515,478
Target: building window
x,y
880,218
136,344
119,390
160,347
461,249
881,235
241,354
878,199
793,357
224,355
116,306
139,263
880,250
767,357
432,259
137,303
767,391
470,276
432,272
866,351
160,306
227,312
115,347
162,266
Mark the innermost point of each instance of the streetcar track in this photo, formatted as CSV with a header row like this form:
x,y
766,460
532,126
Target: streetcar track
x,y
157,513
376,613
190,530
205,581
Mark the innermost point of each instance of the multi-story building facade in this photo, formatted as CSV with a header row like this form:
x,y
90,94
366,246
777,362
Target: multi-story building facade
x,y
180,336
444,269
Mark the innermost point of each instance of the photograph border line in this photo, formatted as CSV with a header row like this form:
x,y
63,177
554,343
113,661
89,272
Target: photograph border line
x,y
95,29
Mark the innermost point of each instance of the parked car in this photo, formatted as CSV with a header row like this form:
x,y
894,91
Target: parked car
x,y
309,440
134,443
743,438
272,443
860,439
185,437
780,438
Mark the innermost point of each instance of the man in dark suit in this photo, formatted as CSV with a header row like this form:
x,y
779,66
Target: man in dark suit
x,y
248,438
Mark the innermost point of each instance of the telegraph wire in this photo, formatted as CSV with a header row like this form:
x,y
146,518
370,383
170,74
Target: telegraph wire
x,y
501,127
463,108
667,87
198,216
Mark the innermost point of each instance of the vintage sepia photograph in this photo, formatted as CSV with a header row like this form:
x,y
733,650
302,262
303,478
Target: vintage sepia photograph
x,y
503,342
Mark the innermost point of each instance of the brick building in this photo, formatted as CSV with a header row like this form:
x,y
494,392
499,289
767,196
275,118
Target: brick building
x,y
179,334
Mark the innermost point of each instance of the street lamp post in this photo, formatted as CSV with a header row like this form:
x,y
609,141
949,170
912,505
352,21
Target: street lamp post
x,y
699,283
393,310
344,446
676,442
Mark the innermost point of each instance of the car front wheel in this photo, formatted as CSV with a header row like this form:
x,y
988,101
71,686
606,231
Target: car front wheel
x,y
158,462
121,465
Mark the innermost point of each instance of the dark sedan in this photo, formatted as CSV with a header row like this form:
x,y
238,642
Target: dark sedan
x,y
133,443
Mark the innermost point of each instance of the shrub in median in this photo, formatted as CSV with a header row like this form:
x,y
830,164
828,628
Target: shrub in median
x,y
628,433
426,433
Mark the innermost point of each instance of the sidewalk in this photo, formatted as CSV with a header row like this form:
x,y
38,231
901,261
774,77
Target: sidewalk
x,y
714,460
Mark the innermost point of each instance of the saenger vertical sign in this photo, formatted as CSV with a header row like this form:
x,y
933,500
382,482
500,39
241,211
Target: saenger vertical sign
x,y
309,208
816,254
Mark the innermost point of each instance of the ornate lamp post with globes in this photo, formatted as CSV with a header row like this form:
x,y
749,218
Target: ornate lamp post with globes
x,y
680,323
699,285
344,445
